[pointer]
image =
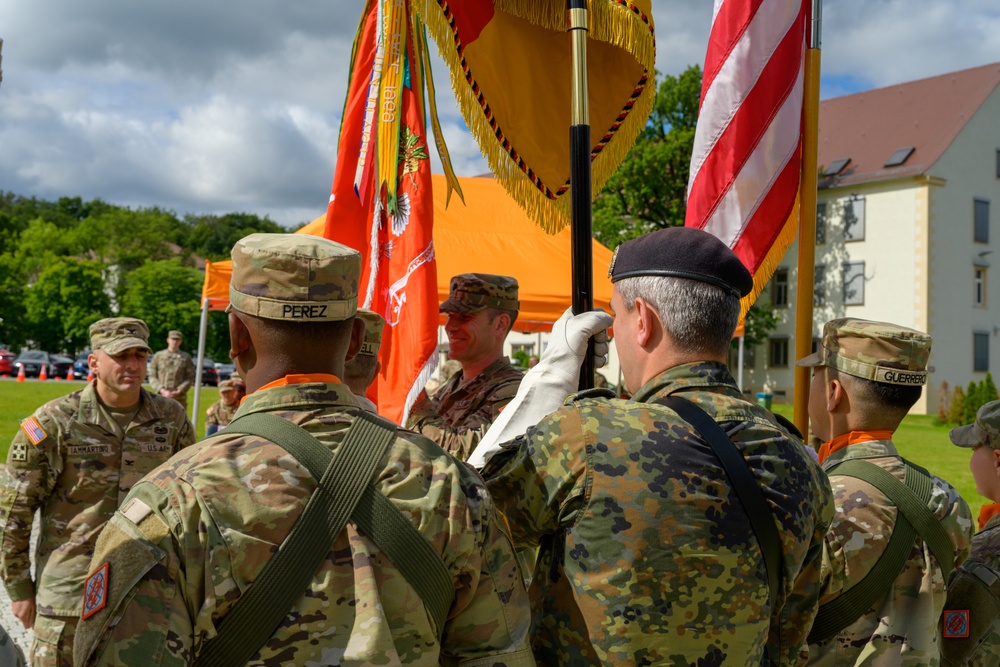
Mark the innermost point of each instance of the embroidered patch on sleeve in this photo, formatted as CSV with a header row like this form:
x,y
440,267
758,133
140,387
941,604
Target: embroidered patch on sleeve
x,y
95,591
956,623
18,452
33,430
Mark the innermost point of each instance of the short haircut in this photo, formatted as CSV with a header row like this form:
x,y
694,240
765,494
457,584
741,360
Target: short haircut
x,y
493,313
878,398
321,335
701,318
359,373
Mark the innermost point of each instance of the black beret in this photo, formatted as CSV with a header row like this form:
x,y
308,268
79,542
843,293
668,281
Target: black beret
x,y
682,252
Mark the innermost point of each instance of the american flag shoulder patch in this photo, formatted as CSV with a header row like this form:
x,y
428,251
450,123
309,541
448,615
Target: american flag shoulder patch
x,y
33,430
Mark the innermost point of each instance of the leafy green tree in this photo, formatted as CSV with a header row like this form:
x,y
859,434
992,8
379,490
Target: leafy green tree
x,y
956,411
62,304
971,403
213,237
165,294
987,390
649,189
13,325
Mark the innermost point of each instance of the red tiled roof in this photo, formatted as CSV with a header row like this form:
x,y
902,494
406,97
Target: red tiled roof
x,y
927,114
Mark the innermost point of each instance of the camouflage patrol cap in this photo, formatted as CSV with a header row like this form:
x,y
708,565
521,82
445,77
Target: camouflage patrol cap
x,y
294,277
876,351
985,430
472,292
117,334
227,385
374,324
174,333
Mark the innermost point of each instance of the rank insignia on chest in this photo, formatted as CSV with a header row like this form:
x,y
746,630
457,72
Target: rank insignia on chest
x,y
956,623
95,591
18,452
33,430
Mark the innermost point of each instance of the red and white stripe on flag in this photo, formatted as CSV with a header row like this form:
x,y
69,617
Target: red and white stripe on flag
x,y
746,162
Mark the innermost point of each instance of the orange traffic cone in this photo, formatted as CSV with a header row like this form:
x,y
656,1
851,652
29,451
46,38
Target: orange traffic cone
x,y
44,375
69,374
20,374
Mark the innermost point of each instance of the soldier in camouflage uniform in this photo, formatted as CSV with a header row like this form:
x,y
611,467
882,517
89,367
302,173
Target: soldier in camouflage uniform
x,y
360,371
481,311
171,371
971,619
867,375
75,460
200,529
646,552
220,413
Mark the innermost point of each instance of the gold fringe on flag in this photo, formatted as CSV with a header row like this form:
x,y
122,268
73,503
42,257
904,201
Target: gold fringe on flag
x,y
771,262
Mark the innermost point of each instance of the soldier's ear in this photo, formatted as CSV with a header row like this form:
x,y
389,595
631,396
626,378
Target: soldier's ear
x,y
357,338
996,462
239,336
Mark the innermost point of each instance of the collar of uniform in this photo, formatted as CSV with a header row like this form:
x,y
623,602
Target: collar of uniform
x,y
685,376
989,516
302,395
871,449
487,372
90,412
850,438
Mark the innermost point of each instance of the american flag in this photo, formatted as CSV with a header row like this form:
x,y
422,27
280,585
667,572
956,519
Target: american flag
x,y
746,163
33,430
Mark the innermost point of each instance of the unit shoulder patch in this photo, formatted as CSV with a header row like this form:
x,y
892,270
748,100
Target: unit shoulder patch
x,y
36,434
956,623
95,591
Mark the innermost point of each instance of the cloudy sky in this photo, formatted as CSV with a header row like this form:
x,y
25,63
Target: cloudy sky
x,y
216,106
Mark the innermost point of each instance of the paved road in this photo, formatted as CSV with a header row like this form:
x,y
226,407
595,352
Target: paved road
x,y
7,619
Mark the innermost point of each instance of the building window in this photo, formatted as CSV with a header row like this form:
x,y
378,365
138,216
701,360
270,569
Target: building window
x,y
749,356
777,356
816,344
819,286
854,283
779,289
981,214
980,352
527,348
854,218
821,223
979,284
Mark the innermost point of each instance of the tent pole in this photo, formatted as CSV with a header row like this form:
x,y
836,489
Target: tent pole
x,y
739,364
580,178
202,330
807,220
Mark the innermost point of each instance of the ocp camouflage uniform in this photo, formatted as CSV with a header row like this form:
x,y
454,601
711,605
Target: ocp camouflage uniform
x,y
461,412
172,371
77,475
218,512
902,629
646,553
220,413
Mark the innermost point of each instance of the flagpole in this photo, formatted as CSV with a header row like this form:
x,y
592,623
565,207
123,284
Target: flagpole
x,y
807,217
580,178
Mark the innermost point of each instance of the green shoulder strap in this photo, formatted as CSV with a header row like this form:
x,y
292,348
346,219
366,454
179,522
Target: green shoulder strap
x,y
344,490
914,520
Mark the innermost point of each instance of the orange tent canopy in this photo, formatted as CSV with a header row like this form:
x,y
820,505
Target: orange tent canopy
x,y
490,233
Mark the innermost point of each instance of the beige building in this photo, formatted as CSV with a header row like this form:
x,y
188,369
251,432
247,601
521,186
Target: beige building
x,y
908,175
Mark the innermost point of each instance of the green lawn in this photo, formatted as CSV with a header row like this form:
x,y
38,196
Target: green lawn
x,y
19,399
917,439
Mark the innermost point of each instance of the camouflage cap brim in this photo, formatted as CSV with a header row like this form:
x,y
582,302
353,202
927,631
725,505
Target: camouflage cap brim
x,y
970,436
119,346
456,306
814,359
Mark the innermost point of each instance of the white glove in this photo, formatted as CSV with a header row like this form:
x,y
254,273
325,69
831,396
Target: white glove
x,y
545,387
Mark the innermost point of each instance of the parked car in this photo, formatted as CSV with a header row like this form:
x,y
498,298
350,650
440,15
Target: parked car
x,y
209,376
81,369
7,362
225,370
56,365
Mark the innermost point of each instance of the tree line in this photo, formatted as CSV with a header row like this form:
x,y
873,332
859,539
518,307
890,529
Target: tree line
x,y
69,262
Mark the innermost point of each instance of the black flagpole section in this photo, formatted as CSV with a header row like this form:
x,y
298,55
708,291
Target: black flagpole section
x,y
580,179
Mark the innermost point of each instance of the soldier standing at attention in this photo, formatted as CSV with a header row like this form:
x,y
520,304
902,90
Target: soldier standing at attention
x,y
190,567
898,531
650,553
970,624
360,371
481,311
75,459
171,371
